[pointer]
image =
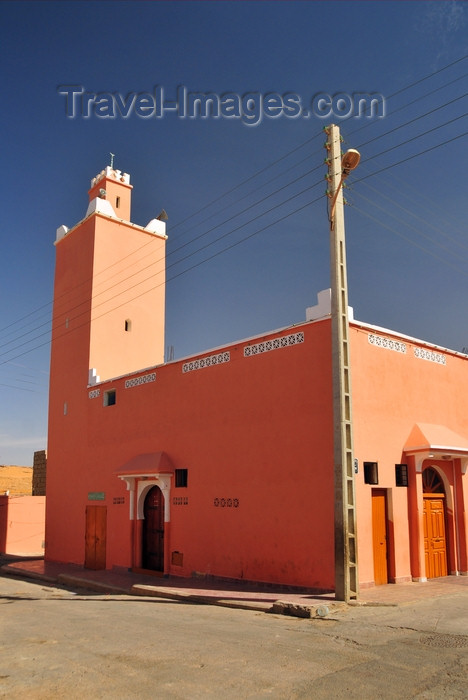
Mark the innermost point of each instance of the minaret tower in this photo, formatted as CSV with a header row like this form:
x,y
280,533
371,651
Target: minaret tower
x,y
109,292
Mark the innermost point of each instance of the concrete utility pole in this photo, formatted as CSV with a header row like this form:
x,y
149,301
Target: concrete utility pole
x,y
346,571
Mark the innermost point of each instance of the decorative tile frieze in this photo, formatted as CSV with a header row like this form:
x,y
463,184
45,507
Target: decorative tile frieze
x,y
283,341
204,362
226,503
180,501
423,354
138,381
94,393
388,343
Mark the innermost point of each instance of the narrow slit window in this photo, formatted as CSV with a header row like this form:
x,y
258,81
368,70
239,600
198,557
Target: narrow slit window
x,y
128,325
117,202
371,473
110,397
401,474
181,478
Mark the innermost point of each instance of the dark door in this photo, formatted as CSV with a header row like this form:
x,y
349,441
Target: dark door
x,y
379,535
95,537
153,530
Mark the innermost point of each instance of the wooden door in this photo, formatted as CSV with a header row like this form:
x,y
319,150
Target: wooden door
x,y
153,530
435,545
379,535
95,537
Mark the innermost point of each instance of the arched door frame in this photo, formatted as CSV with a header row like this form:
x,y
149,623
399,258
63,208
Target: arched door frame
x,y
446,498
421,462
138,486
164,483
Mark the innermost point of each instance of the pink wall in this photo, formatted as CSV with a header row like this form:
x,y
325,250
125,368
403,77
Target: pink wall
x,y
22,525
392,391
254,431
257,429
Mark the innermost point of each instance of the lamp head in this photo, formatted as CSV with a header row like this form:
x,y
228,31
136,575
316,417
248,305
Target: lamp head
x,y
350,161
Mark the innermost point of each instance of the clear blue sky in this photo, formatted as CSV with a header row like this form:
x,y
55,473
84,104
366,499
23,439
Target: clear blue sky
x,y
406,225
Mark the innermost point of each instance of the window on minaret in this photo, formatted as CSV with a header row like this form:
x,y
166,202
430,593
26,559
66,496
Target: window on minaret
x,y
128,325
117,202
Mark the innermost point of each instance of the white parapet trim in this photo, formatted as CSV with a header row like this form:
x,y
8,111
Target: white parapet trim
x,y
61,232
323,308
157,227
100,206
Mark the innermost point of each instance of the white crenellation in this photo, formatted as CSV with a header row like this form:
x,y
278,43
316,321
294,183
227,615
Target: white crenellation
x,y
61,232
323,307
100,206
93,377
113,174
157,227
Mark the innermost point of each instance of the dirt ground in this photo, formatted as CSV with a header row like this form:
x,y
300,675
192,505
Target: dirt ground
x,y
16,480
57,642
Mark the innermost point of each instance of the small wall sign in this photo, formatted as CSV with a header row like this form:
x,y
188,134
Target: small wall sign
x,y
96,496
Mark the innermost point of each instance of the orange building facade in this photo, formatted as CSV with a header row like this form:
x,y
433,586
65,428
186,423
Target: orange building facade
x,y
222,464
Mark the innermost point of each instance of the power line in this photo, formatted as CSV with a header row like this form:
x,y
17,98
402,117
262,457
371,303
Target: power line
x,y
247,223
298,148
275,162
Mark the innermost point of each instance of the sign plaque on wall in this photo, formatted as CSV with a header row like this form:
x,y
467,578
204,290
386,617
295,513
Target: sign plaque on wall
x,y
96,496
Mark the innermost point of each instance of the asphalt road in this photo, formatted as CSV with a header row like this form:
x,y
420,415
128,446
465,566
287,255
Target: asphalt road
x,y
56,643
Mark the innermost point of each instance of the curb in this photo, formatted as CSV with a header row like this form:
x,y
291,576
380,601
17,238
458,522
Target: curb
x,y
8,570
97,586
140,589
276,607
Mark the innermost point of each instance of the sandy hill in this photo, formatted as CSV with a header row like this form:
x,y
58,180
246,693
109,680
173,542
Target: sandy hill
x,y
16,480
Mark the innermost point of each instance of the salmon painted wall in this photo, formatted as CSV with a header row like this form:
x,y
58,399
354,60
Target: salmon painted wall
x,y
251,422
393,390
22,522
128,287
256,430
69,357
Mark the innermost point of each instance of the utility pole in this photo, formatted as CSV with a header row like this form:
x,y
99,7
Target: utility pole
x,y
346,571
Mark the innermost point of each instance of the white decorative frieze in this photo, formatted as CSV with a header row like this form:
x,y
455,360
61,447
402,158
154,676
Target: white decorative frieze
x,y
388,343
94,393
430,355
204,362
138,381
283,341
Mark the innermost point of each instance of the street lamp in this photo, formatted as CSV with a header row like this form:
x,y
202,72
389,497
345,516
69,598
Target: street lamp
x,y
349,162
346,572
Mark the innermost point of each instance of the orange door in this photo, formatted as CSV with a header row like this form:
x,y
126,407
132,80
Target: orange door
x,y
95,537
435,546
379,535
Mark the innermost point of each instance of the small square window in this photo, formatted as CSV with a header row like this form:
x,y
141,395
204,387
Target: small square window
x,y
371,473
181,478
109,397
401,474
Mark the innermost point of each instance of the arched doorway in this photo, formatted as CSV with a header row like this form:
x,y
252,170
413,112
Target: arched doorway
x,y
153,530
435,543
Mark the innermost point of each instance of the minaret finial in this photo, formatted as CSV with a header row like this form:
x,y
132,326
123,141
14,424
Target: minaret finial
x,y
112,160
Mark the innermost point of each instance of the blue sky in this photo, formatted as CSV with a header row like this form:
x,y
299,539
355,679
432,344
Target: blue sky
x,y
406,219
